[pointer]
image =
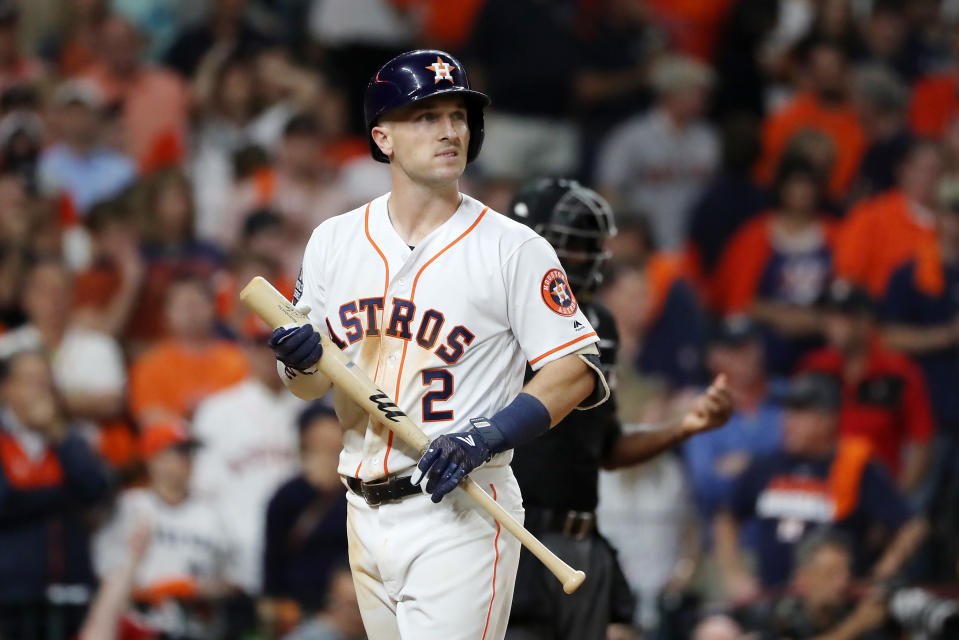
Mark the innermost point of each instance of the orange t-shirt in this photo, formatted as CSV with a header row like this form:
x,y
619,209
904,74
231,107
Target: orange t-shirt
x,y
934,103
168,378
876,237
692,25
804,111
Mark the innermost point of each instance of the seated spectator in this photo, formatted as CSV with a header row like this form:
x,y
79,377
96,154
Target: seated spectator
x,y
154,102
49,480
16,66
660,323
881,233
814,480
225,25
249,436
921,314
107,291
339,619
779,264
188,559
661,161
17,240
300,188
306,518
22,137
820,603
79,166
171,379
934,104
824,107
715,459
880,100
884,398
728,201
89,370
72,45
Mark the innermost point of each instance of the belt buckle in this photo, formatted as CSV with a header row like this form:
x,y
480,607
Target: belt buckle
x,y
368,496
577,524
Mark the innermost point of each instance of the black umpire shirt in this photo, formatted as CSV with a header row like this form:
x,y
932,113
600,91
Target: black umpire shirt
x,y
560,469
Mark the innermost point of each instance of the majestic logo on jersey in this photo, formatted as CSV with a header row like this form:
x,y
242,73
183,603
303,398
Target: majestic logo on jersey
x,y
442,70
556,293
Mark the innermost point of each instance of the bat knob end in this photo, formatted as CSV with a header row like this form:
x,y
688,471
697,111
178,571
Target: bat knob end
x,y
572,583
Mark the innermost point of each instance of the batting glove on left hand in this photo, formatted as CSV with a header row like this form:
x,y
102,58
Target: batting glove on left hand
x,y
297,347
450,457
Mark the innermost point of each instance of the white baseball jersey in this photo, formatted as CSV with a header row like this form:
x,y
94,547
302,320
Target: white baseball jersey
x,y
445,328
249,438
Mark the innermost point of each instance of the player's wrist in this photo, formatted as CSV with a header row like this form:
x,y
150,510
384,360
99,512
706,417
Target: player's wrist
x,y
518,422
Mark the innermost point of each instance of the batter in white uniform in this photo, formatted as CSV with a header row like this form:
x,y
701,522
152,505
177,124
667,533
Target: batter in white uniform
x,y
443,302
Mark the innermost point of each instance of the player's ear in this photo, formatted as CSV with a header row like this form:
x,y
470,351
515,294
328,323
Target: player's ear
x,y
383,138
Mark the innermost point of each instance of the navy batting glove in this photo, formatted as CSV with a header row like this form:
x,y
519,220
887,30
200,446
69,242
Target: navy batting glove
x,y
449,458
297,347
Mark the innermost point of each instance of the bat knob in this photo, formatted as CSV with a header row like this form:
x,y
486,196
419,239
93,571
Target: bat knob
x,y
572,583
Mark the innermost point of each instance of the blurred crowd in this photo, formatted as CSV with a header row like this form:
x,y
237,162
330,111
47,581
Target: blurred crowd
x,y
785,178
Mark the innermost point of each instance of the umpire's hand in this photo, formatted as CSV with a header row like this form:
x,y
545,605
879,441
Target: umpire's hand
x,y
297,347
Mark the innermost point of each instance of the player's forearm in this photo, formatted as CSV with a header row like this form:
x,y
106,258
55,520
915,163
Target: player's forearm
x,y
305,386
640,446
562,385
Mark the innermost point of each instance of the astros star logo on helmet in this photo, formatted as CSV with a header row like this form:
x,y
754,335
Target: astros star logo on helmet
x,y
556,293
442,70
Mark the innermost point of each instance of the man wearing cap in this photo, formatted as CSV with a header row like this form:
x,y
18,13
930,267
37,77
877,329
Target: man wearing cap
x,y
188,558
884,398
814,481
79,165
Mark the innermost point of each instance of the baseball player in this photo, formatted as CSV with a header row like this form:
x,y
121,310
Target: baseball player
x,y
558,473
442,301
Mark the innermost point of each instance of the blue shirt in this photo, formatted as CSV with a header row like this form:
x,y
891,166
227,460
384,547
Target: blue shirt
x,y
788,498
89,178
906,304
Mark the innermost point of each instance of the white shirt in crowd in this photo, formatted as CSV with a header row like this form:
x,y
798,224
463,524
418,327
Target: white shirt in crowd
x,y
659,170
249,447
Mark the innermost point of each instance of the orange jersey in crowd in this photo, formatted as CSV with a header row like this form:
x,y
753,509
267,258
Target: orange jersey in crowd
x,y
804,111
173,380
692,25
935,102
743,261
876,237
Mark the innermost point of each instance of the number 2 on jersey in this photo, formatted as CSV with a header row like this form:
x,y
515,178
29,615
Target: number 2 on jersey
x,y
443,393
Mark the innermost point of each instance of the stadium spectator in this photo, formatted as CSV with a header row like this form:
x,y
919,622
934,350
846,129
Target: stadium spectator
x,y
889,39
17,233
717,458
171,379
884,397
779,263
727,202
49,481
79,166
814,480
935,97
823,105
72,45
16,66
22,136
880,100
340,617
153,102
188,560
300,188
306,517
227,26
659,162
820,603
882,232
249,435
744,58
921,312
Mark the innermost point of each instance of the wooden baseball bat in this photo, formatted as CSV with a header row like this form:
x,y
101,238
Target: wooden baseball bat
x,y
268,303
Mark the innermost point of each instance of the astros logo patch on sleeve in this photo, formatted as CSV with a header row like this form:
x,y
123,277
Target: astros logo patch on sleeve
x,y
556,293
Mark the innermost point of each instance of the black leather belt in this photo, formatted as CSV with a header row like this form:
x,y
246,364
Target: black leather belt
x,y
388,489
577,525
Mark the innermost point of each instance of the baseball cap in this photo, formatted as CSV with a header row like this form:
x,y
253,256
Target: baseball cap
x,y
812,391
734,330
845,297
160,436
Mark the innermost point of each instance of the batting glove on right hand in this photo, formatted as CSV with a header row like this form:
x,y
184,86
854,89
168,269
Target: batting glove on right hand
x,y
297,347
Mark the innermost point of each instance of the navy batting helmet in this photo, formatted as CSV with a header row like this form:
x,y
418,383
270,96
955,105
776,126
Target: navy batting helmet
x,y
572,218
417,75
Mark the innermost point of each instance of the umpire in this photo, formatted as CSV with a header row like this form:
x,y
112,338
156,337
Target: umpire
x,y
558,472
